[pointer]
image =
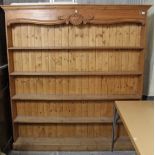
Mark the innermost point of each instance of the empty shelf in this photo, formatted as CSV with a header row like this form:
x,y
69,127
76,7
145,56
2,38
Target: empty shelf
x,y
49,97
77,48
74,73
68,120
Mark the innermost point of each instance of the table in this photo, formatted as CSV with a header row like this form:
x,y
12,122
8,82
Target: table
x,y
137,117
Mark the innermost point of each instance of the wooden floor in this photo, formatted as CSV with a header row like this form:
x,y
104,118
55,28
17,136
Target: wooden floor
x,y
72,153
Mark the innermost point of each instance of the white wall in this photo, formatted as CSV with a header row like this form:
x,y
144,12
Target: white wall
x,y
149,61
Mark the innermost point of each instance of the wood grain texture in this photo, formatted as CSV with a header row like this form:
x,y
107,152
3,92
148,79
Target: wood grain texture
x,y
61,120
67,65
75,48
72,97
78,73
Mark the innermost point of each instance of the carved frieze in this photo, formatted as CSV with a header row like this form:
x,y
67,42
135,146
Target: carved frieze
x,y
76,19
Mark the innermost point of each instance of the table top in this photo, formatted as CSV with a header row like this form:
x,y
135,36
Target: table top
x,y
137,117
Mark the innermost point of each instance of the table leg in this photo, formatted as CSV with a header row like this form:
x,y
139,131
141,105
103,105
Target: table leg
x,y
114,128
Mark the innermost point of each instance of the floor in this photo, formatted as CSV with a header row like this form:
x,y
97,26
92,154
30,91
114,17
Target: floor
x,y
72,153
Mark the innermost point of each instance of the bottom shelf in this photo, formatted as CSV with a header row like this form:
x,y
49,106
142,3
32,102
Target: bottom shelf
x,y
70,144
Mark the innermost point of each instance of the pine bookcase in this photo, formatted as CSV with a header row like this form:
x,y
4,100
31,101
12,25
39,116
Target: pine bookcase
x,y
67,66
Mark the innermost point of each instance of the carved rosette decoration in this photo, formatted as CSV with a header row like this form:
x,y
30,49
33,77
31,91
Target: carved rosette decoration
x,y
76,19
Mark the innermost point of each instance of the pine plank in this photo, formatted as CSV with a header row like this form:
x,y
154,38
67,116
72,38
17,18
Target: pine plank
x,y
68,120
76,48
73,97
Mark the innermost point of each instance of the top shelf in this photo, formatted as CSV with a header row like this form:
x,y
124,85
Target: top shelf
x,y
76,48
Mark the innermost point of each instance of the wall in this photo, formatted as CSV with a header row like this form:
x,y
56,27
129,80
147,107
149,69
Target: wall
x,y
149,67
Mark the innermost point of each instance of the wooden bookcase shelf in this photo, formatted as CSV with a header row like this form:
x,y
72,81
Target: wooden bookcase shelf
x,y
60,120
41,97
63,60
61,144
75,73
75,48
